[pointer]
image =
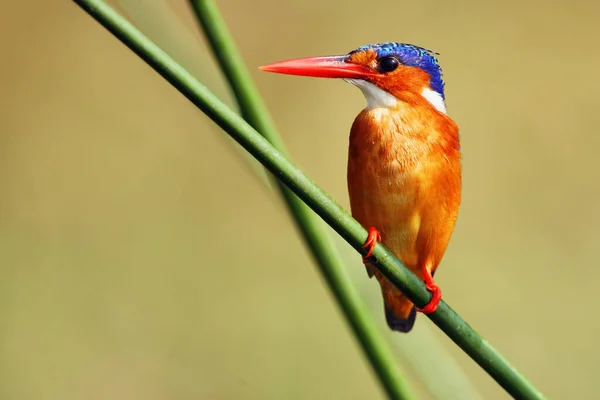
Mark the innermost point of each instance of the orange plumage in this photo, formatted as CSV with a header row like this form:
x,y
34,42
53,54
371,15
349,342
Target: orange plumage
x,y
404,171
404,179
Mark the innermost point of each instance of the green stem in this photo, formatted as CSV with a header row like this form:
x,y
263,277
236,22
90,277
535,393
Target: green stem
x,y
445,318
310,226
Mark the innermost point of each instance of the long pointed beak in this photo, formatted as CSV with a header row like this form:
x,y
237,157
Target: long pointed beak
x,y
320,67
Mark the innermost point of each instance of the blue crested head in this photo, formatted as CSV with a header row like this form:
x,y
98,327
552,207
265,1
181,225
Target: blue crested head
x,y
411,56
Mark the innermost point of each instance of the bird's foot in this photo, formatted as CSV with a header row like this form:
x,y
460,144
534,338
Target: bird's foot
x,y
436,293
372,239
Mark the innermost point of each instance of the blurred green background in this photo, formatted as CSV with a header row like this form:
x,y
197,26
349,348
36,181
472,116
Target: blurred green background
x,y
142,258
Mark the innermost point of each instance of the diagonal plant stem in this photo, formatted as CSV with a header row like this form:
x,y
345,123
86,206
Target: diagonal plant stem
x,y
445,317
310,226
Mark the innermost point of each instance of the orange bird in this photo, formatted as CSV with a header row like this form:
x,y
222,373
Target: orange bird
x,y
404,170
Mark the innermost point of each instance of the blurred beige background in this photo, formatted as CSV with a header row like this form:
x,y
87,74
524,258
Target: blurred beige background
x,y
141,258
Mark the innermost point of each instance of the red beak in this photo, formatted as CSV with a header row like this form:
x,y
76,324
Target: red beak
x,y
320,67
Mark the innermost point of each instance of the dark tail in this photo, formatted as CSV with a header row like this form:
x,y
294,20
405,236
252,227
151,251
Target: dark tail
x,y
398,324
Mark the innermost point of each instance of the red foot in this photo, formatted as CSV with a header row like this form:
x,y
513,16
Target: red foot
x,y
372,239
436,293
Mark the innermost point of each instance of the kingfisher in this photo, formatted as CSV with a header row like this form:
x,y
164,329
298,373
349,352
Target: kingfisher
x,y
404,162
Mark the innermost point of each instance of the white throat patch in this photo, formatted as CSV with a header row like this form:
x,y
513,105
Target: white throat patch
x,y
379,98
376,98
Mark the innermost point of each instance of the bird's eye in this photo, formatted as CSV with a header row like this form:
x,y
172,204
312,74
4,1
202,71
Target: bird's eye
x,y
388,64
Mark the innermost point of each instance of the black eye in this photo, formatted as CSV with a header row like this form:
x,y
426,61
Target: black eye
x,y
388,64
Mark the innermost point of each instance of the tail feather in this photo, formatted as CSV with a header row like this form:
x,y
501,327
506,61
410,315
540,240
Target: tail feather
x,y
400,324
400,313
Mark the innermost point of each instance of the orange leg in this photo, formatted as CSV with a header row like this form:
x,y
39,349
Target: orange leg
x,y
436,293
372,239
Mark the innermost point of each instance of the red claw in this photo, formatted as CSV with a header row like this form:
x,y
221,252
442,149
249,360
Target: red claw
x,y
436,293
372,239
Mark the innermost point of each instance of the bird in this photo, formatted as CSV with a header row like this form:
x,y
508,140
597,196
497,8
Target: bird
x,y
404,161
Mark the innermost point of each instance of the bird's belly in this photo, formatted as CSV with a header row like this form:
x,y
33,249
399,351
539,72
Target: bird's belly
x,y
388,199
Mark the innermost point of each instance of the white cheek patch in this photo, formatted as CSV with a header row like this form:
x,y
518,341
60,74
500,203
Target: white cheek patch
x,y
376,98
435,99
